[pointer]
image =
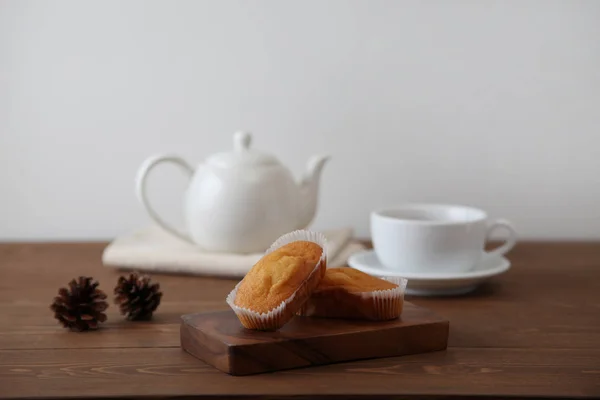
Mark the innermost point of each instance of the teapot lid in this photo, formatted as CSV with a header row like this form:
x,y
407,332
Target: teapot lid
x,y
242,154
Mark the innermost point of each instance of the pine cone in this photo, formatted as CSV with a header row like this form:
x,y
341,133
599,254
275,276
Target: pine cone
x,y
136,297
81,306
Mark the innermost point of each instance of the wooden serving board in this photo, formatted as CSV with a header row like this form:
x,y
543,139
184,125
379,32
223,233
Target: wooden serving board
x,y
220,340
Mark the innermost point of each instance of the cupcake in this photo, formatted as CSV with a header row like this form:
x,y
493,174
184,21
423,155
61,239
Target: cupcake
x,y
275,288
352,294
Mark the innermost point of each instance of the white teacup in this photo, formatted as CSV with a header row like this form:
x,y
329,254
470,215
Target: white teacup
x,y
431,238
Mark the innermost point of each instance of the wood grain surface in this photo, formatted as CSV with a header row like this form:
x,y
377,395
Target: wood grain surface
x,y
219,339
532,332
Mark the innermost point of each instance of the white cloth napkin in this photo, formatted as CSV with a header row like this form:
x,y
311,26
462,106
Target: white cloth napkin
x,y
153,249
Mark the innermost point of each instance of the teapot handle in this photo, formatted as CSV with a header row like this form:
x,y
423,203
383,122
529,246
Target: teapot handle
x,y
140,188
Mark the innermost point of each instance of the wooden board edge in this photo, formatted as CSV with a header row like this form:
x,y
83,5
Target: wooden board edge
x,y
212,352
239,352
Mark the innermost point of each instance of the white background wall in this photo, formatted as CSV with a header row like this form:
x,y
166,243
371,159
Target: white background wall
x,y
489,103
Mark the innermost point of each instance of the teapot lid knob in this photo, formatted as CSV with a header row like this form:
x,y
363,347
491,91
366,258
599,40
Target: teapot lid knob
x,y
242,140
241,155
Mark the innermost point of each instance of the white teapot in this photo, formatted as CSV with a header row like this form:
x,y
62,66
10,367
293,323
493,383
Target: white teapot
x,y
239,201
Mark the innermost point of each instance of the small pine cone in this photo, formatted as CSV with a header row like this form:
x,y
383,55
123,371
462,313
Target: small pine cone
x,y
80,307
136,297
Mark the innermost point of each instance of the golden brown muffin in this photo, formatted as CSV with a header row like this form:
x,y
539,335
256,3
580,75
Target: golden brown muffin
x,y
275,288
277,276
352,280
352,294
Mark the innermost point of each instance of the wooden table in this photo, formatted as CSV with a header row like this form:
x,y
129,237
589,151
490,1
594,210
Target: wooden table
x,y
533,332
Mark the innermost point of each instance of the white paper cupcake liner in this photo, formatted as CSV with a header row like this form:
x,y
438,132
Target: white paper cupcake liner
x,y
389,302
278,316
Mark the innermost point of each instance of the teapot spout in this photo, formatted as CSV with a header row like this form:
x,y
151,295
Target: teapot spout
x,y
309,190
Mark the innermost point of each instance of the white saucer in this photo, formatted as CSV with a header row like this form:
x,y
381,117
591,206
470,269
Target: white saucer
x,y
434,284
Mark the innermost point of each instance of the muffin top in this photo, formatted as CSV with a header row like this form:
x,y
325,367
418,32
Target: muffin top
x,y
276,276
352,280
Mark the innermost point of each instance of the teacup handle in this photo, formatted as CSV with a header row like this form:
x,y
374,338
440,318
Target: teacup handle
x,y
140,188
511,240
